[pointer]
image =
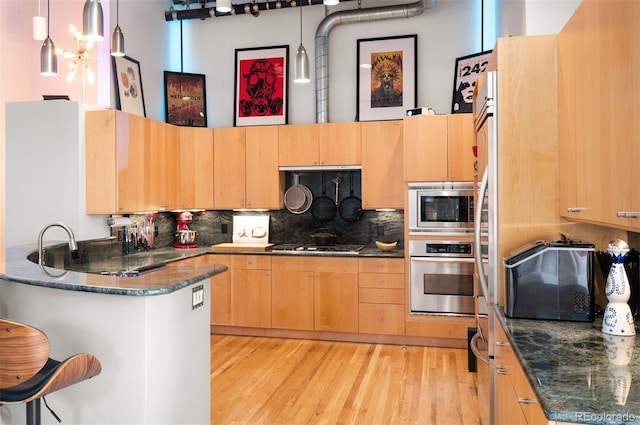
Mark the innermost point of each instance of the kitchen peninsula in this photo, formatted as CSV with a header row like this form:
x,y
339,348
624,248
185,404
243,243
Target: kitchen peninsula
x,y
150,333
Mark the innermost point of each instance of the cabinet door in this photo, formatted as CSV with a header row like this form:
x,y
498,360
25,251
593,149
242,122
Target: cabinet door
x,y
131,131
229,151
298,144
221,293
460,156
385,319
382,165
196,168
101,144
292,297
162,166
251,298
425,148
264,183
336,301
339,143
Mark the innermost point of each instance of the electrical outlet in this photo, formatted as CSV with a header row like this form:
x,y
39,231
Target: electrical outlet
x,y
224,229
197,297
380,229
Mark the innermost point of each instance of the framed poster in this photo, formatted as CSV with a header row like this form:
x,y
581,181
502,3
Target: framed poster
x,y
185,101
468,68
261,82
387,84
128,82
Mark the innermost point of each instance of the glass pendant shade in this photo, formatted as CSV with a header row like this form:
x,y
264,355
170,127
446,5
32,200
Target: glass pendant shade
x,y
302,66
117,42
223,6
39,28
48,58
93,21
331,2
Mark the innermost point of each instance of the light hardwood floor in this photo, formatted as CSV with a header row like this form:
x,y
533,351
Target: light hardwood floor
x,y
290,381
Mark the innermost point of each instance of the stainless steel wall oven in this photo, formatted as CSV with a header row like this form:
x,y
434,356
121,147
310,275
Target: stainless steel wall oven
x,y
441,277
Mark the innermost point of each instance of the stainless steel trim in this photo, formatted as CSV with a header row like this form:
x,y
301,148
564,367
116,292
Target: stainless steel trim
x,y
320,167
478,237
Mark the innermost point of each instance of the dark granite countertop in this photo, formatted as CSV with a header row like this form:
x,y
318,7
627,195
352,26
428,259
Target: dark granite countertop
x,y
579,374
87,278
367,252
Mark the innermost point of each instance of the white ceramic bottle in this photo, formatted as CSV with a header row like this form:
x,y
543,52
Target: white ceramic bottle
x,y
618,319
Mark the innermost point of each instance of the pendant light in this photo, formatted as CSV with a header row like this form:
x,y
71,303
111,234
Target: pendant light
x,y
223,6
330,2
48,58
302,60
117,38
93,21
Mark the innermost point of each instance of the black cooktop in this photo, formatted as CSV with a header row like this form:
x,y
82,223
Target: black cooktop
x,y
320,249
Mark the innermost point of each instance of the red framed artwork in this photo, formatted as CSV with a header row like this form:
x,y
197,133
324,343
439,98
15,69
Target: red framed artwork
x,y
261,86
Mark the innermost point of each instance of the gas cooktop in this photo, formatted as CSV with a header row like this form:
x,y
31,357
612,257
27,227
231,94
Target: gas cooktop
x,y
319,249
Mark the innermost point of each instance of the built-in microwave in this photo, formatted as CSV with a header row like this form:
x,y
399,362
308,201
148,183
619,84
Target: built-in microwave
x,y
440,208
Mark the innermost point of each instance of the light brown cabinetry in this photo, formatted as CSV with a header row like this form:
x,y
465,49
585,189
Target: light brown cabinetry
x,y
452,330
438,148
245,168
196,167
598,146
516,401
382,165
242,295
115,157
313,293
381,294
319,144
161,166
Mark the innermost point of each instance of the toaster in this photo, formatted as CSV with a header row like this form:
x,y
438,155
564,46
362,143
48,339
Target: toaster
x,y
550,280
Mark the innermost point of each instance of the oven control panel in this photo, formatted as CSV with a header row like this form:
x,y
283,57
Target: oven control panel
x,y
440,248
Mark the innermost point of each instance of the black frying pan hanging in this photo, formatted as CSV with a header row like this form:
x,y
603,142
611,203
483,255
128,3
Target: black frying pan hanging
x,y
323,207
351,207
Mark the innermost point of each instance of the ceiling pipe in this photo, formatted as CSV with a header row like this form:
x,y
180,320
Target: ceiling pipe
x,y
203,12
352,17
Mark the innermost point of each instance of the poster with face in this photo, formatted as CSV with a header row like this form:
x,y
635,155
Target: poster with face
x,y
261,86
468,69
387,85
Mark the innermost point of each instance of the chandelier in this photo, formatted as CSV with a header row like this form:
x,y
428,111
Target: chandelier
x,y
79,59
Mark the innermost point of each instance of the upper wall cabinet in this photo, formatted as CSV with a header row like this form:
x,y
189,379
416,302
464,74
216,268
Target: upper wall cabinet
x,y
161,166
196,167
114,162
319,144
246,168
382,165
598,135
438,148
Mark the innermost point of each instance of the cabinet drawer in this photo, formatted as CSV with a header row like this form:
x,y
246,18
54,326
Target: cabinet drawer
x,y
385,319
381,265
381,280
257,262
382,296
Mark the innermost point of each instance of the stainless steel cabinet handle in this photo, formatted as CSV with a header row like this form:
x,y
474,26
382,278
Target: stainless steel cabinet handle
x,y
575,209
627,214
502,344
524,400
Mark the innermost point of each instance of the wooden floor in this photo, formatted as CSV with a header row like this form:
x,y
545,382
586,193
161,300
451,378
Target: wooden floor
x,y
289,381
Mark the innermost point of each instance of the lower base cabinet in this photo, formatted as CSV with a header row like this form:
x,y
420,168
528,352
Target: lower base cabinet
x,y
314,293
242,295
515,400
381,295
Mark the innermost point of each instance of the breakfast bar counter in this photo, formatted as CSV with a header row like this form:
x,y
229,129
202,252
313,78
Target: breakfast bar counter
x,y
151,334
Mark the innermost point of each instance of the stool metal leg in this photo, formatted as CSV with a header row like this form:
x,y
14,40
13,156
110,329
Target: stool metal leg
x,y
33,412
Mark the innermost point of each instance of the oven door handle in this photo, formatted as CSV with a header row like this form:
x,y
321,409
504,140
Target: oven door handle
x,y
482,192
473,344
442,259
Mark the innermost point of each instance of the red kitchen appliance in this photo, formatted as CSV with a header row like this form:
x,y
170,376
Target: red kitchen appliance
x,y
185,238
